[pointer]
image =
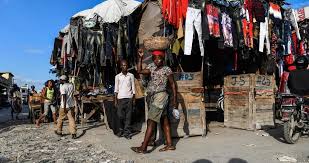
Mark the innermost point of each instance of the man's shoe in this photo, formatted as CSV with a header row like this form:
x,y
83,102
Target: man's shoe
x,y
74,136
128,137
120,134
58,133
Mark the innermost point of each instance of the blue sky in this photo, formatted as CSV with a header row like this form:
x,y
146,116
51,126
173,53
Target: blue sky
x,y
27,32
28,29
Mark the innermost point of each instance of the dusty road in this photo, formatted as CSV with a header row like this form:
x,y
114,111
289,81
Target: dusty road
x,y
22,142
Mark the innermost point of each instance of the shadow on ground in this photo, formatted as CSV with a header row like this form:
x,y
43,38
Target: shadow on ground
x,y
86,128
277,133
233,160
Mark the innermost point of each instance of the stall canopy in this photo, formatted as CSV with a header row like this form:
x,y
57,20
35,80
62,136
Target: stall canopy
x,y
110,11
84,13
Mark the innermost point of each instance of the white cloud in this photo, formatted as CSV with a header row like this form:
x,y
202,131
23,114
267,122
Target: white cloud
x,y
34,51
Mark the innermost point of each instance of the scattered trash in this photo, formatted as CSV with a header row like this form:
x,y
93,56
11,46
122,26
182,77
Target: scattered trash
x,y
72,149
217,133
286,159
77,142
107,161
258,126
265,134
250,145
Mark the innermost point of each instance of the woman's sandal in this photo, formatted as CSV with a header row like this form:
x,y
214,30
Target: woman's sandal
x,y
138,150
167,148
151,144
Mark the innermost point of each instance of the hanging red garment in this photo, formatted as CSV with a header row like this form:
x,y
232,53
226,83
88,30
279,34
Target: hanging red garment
x,y
302,48
174,11
213,20
288,61
184,7
169,12
248,24
294,39
283,82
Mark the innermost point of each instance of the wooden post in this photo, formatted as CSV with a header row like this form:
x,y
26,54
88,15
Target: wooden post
x,y
203,111
105,116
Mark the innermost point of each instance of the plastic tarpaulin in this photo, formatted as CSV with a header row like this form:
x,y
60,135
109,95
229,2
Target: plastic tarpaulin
x,y
111,11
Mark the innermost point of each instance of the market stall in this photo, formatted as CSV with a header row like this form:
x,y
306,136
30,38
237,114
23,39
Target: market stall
x,y
209,40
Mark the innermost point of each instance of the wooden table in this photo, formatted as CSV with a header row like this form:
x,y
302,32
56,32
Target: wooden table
x,y
97,101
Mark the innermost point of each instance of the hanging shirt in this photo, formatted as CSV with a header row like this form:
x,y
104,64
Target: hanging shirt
x,y
259,11
213,20
227,30
275,11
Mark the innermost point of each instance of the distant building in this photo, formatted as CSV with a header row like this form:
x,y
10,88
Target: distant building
x,y
6,82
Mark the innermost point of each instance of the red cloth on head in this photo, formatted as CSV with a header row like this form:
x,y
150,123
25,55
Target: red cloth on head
x,y
158,53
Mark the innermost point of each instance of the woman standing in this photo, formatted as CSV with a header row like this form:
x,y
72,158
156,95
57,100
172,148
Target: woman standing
x,y
49,96
157,98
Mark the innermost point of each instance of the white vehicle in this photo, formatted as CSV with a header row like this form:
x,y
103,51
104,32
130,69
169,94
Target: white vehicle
x,y
24,93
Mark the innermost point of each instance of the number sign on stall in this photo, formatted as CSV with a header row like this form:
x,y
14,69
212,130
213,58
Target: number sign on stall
x,y
239,81
263,81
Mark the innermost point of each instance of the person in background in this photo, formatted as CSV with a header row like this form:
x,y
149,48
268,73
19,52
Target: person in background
x,y
66,107
124,99
157,99
48,94
33,91
16,101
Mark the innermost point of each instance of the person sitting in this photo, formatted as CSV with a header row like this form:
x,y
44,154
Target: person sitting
x,y
298,79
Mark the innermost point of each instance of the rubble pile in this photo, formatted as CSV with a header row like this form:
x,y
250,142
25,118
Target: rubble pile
x,y
26,143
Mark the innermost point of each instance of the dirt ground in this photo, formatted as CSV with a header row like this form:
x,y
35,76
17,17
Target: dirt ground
x,y
222,145
21,142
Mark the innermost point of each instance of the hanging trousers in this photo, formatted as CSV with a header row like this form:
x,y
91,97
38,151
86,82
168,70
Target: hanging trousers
x,y
194,20
263,36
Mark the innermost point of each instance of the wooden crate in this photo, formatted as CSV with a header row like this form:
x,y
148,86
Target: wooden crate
x,y
191,106
35,101
264,101
249,101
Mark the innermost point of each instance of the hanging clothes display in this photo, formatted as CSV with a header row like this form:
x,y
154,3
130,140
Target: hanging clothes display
x,y
275,11
259,12
264,36
213,20
227,30
194,21
174,11
290,15
248,23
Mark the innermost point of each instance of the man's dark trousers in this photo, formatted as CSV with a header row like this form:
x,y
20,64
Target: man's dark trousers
x,y
125,113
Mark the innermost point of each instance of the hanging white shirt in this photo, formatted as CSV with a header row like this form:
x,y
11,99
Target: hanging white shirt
x,y
124,85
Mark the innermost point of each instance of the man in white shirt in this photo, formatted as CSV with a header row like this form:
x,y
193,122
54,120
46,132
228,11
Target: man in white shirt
x,y
67,106
124,99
